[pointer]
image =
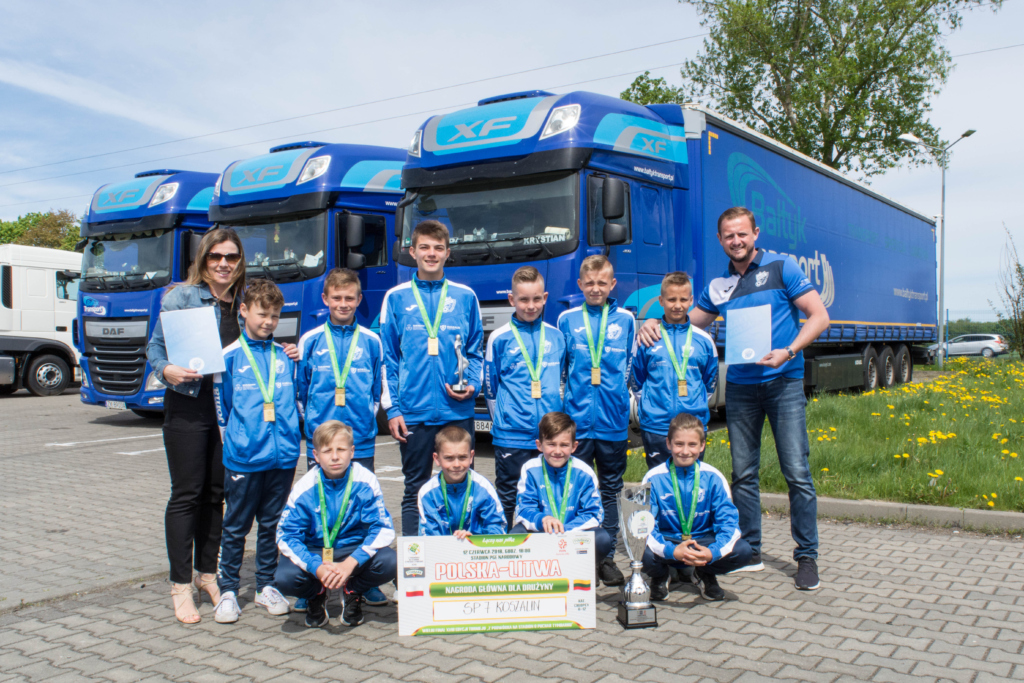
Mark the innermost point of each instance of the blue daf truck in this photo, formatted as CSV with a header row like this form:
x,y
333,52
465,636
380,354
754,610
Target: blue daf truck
x,y
547,180
307,207
139,238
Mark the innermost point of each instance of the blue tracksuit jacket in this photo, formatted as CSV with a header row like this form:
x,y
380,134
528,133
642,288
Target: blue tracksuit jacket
x,y
362,387
515,414
367,523
484,516
583,511
600,412
413,381
250,444
715,512
656,384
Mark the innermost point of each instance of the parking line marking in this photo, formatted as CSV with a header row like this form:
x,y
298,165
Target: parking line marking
x,y
123,438
151,450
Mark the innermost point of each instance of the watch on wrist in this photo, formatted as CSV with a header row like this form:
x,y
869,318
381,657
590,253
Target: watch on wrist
x,y
789,350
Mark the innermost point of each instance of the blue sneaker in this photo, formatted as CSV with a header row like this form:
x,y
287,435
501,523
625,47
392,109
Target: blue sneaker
x,y
301,605
375,597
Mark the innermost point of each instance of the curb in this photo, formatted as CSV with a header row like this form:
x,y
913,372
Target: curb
x,y
927,515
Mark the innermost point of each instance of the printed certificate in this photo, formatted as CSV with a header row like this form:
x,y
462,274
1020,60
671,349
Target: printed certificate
x,y
748,334
193,340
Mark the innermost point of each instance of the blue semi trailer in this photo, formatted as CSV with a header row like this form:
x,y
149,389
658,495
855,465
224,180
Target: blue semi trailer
x,y
546,180
140,236
307,207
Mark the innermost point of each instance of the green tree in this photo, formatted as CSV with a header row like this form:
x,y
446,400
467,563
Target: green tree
x,y
838,80
53,230
1011,296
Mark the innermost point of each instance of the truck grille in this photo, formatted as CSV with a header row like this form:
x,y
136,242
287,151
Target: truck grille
x,y
117,368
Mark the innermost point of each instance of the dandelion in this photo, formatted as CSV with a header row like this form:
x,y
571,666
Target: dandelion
x,y
932,475
876,415
832,429
1018,478
896,456
824,469
991,504
995,495
1006,452
890,407
906,455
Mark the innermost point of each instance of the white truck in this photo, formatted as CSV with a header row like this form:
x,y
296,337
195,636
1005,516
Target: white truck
x,y
38,295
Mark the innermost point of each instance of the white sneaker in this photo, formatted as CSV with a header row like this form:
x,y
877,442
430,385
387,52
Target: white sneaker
x,y
272,599
227,610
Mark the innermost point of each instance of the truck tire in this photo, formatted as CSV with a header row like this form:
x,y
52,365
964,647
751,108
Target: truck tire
x,y
149,414
886,368
870,369
904,365
47,376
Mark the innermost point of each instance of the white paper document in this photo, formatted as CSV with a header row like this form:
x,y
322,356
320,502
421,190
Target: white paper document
x,y
748,334
193,339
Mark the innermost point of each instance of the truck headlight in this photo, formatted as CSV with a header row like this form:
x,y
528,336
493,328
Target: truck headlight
x,y
85,380
561,120
216,185
414,145
153,383
164,193
314,169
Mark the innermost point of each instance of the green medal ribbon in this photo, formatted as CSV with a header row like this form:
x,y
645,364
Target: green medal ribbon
x,y
534,371
268,392
680,370
686,524
432,330
595,354
565,490
331,536
465,505
341,377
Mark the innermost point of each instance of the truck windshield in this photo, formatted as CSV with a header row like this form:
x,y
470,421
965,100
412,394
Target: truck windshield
x,y
500,221
128,262
285,250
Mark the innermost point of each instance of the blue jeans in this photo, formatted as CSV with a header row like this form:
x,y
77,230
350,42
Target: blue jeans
x,y
417,464
298,583
258,496
610,457
508,465
782,401
656,567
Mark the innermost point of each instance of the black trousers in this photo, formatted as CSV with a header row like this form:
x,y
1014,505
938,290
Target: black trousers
x,y
192,522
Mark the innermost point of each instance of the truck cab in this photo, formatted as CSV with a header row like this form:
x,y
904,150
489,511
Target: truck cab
x,y
139,239
307,207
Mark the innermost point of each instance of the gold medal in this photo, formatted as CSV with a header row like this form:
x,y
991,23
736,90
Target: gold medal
x,y
535,389
268,412
686,537
328,554
339,397
595,376
682,387
432,346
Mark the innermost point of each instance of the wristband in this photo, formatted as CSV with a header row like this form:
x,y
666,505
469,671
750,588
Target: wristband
x,y
789,350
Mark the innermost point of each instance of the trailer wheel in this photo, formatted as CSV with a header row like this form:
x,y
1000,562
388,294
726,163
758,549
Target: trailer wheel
x,y
904,365
47,376
886,368
870,369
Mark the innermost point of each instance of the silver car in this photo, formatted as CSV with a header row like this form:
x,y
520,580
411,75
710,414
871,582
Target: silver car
x,y
987,345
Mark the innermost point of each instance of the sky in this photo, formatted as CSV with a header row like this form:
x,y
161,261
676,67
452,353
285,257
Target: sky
x,y
80,83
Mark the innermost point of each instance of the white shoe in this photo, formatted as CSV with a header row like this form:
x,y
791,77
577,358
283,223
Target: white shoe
x,y
227,610
272,599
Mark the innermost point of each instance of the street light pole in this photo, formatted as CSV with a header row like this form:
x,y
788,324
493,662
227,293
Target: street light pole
x,y
943,156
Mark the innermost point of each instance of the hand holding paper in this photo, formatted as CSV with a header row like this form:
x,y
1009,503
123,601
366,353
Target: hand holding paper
x,y
193,340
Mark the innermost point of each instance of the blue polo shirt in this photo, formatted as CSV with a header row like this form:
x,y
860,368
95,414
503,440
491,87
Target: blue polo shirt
x,y
770,279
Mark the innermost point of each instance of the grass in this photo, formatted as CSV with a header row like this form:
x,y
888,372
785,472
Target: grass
x,y
956,441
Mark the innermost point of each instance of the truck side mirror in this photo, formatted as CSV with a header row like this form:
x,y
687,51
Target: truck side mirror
x,y
80,244
614,233
354,231
355,261
396,251
613,198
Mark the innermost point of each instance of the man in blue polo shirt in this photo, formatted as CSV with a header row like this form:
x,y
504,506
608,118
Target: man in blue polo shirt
x,y
773,387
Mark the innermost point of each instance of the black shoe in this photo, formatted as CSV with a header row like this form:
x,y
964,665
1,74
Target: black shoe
x,y
807,574
660,588
754,565
609,573
708,585
351,608
316,610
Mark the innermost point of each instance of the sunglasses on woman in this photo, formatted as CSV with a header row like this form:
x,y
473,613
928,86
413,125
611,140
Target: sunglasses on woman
x,y
214,257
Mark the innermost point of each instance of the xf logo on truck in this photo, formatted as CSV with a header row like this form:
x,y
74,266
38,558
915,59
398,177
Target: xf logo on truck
x,y
122,196
776,214
467,131
258,175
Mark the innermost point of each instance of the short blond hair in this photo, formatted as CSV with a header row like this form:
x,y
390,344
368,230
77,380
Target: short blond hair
x,y
684,422
526,274
596,262
451,434
676,279
325,433
342,277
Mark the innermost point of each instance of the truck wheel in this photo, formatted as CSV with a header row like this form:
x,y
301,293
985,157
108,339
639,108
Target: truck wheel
x,y
886,368
904,365
149,414
870,369
47,376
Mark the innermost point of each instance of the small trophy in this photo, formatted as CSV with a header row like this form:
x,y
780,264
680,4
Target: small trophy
x,y
637,522
461,366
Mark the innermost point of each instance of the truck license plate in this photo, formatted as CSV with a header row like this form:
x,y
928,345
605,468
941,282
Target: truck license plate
x,y
116,405
482,425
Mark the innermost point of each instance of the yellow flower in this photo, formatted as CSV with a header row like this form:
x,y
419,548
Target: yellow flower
x,y
824,469
1013,455
994,495
876,414
939,472
1018,478
890,407
832,429
1006,452
896,456
933,476
991,504
906,455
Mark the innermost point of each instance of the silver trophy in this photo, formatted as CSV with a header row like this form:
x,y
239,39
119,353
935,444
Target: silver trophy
x,y
636,522
461,366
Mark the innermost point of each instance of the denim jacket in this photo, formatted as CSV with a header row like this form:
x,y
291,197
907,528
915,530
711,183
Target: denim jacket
x,y
179,298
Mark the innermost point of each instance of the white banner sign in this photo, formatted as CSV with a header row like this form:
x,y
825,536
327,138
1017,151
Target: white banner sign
x,y
511,582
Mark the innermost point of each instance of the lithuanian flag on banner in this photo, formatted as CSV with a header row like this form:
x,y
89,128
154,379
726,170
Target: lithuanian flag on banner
x,y
578,585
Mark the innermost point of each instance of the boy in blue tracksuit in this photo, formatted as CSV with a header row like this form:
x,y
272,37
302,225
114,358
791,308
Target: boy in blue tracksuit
x,y
421,322
335,531
557,492
676,375
701,532
458,501
600,338
521,383
259,423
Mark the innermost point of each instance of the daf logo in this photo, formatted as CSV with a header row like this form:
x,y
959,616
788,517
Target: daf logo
x,y
258,175
653,145
487,127
113,331
122,196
